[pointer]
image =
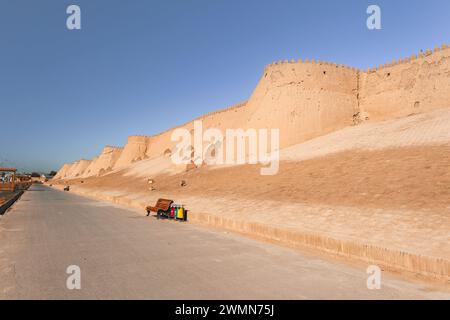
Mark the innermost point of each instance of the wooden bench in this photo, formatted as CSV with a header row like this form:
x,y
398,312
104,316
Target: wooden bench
x,y
162,208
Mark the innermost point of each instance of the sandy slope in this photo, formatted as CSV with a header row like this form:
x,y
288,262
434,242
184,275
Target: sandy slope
x,y
431,128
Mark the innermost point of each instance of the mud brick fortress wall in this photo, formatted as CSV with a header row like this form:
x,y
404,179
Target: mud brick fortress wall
x,y
306,99
417,84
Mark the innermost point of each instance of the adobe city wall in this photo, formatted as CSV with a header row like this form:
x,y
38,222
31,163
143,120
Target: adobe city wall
x,y
303,100
306,99
229,118
417,84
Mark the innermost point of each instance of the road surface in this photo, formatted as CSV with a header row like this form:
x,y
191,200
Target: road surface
x,y
125,255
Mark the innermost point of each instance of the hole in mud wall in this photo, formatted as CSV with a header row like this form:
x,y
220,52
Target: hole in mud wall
x,y
211,151
324,72
416,104
388,74
167,153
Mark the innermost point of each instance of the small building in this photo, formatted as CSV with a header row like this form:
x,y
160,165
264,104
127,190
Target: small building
x,y
7,179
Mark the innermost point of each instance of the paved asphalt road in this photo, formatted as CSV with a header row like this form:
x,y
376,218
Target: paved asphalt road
x,y
122,254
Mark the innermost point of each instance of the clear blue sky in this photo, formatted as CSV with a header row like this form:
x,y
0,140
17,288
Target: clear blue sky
x,y
142,66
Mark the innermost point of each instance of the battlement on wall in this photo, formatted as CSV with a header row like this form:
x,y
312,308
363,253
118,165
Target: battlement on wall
x,y
406,86
138,139
309,62
421,55
234,107
415,57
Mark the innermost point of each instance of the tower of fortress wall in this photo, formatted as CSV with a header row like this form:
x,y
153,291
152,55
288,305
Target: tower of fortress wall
x,y
62,172
108,158
134,150
76,168
68,168
71,171
104,162
306,99
79,169
89,171
303,100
